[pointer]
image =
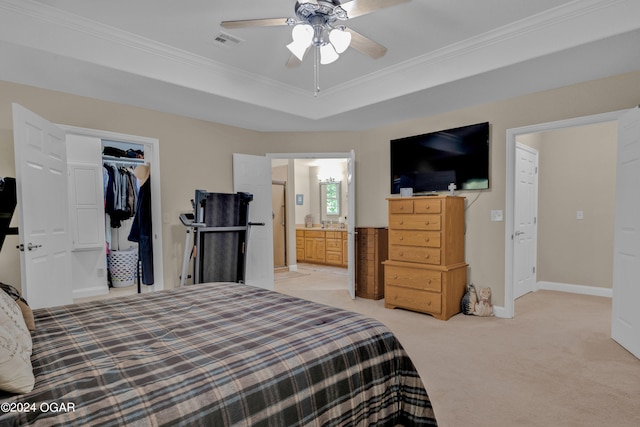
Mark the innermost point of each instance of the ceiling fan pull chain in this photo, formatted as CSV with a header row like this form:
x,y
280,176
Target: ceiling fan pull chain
x,y
316,70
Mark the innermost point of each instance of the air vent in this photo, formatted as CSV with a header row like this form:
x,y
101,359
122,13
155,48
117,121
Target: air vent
x,y
226,40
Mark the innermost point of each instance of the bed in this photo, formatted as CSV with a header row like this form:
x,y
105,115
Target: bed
x,y
216,354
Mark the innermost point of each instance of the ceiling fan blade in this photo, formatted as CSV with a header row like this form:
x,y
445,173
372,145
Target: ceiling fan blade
x,y
293,62
356,8
248,23
366,45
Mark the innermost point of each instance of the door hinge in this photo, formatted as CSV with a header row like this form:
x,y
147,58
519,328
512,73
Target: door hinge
x,y
534,269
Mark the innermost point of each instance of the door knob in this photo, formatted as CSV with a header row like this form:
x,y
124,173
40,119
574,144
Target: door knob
x,y
30,246
519,233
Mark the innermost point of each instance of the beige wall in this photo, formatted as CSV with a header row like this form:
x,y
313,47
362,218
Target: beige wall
x,y
484,238
577,173
197,154
193,154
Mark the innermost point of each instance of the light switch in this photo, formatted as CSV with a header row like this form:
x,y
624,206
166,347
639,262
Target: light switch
x,y
497,216
580,215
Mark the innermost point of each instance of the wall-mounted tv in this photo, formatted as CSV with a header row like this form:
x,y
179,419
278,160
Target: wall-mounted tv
x,y
430,162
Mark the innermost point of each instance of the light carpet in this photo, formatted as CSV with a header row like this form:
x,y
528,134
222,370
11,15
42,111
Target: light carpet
x,y
554,364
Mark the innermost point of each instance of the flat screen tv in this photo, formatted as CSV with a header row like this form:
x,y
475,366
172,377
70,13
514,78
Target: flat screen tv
x,y
430,162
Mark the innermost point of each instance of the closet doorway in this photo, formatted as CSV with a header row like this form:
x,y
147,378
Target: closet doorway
x,y
81,270
86,148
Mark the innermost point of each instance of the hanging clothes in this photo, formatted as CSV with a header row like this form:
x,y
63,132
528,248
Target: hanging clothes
x,y
141,229
120,194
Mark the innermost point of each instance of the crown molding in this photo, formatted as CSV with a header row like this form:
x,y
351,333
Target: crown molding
x,y
113,40
68,35
569,22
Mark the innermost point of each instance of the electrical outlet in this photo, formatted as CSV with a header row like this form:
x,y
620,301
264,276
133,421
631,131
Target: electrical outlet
x,y
580,215
497,216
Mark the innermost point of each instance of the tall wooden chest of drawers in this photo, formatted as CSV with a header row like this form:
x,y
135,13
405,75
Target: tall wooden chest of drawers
x,y
371,251
426,271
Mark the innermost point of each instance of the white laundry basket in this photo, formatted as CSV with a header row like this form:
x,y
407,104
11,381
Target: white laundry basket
x,y
122,266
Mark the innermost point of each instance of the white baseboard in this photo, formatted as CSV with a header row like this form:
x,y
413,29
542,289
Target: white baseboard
x,y
500,312
575,289
90,292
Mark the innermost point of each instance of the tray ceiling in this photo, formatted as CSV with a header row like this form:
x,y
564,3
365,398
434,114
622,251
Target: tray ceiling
x,y
442,55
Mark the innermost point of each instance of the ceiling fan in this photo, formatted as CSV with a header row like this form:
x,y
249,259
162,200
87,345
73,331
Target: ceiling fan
x,y
320,24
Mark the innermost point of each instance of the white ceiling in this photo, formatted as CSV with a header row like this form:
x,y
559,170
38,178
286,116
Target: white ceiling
x,y
442,55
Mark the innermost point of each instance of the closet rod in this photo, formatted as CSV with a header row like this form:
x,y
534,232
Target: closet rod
x,y
128,162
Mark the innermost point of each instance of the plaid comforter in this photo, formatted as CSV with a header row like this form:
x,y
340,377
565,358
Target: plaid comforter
x,y
216,354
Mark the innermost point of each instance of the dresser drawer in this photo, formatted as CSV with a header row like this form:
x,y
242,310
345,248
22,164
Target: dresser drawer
x,y
414,278
414,254
415,222
401,206
412,299
415,238
427,206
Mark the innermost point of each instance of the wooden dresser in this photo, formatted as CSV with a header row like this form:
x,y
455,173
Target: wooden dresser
x,y
371,251
426,271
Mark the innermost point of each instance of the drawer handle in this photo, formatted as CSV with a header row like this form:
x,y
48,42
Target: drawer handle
x,y
401,222
401,238
401,254
428,303
427,256
395,276
426,239
428,281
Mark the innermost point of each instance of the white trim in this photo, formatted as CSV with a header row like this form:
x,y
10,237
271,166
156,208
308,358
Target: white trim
x,y
575,289
90,292
510,188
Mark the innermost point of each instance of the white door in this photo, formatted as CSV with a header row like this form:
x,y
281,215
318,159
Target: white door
x,y
625,324
525,220
252,174
43,222
351,221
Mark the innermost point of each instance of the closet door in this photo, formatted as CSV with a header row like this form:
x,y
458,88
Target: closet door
x,y
86,206
43,223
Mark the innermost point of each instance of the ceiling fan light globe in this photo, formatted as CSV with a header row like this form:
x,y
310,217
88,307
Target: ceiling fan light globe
x,y
340,39
298,49
302,33
328,54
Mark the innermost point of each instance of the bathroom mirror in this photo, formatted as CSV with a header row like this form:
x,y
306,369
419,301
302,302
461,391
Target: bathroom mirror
x,y
330,201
